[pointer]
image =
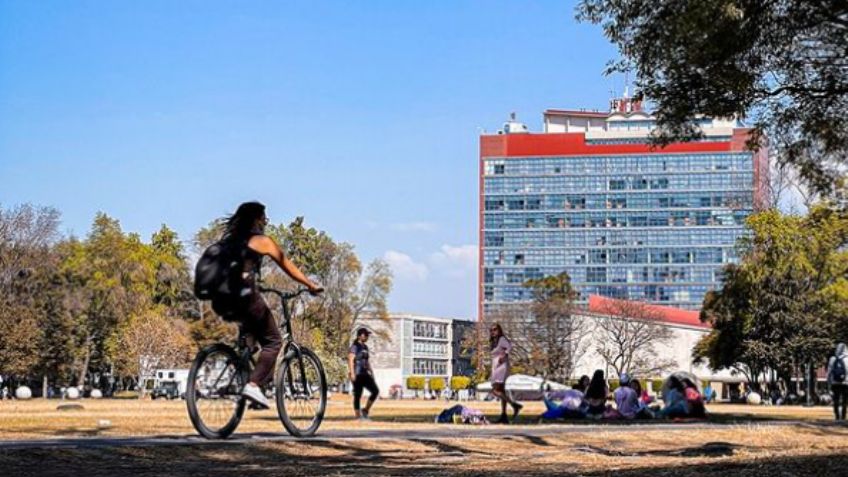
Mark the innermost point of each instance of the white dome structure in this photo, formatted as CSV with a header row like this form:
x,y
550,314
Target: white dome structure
x,y
23,393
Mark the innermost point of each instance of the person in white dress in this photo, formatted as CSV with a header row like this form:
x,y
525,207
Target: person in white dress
x,y
501,348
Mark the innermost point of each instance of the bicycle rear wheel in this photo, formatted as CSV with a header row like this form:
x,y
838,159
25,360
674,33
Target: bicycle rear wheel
x,y
213,392
301,394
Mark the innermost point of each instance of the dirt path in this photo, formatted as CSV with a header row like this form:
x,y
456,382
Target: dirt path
x,y
447,431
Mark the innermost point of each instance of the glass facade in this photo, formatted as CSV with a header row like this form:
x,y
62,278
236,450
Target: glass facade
x,y
654,227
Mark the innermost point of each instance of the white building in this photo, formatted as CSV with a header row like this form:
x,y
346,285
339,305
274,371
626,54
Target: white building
x,y
686,330
410,345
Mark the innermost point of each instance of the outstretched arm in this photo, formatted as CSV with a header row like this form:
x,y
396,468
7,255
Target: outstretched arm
x,y
267,246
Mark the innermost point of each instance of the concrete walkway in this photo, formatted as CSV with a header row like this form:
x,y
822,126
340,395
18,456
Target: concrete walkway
x,y
448,432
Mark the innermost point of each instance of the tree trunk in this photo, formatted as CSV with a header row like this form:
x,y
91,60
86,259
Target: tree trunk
x,y
84,370
44,386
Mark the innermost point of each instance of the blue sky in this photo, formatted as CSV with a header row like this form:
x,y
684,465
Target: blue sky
x,y
362,116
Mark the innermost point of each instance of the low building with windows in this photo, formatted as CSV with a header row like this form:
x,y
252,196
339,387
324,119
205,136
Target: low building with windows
x,y
412,345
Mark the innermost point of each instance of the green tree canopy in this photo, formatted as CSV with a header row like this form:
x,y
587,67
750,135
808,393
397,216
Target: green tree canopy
x,y
783,64
785,304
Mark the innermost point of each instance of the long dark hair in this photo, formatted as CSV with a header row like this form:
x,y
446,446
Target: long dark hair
x,y
493,342
242,223
598,386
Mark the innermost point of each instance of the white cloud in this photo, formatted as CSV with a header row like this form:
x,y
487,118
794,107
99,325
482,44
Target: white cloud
x,y
414,227
404,267
455,260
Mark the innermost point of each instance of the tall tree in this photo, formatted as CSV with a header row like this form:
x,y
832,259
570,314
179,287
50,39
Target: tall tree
x,y
782,63
111,277
351,291
33,323
783,306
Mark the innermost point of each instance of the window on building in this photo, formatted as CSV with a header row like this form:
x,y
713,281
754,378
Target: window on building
x,y
429,367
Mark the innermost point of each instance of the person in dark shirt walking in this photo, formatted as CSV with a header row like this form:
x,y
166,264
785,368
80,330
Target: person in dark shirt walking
x,y
837,378
361,374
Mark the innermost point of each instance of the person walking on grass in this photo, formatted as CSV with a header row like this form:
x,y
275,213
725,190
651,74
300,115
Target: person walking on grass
x,y
837,378
501,347
361,374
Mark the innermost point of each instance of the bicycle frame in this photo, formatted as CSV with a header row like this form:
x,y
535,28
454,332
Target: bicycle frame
x,y
291,348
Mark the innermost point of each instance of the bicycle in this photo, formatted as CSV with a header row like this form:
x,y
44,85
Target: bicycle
x,y
220,372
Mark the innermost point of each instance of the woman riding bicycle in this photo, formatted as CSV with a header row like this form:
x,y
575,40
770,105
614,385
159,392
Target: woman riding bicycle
x,y
246,227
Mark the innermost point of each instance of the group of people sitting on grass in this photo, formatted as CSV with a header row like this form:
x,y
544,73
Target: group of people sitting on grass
x,y
588,399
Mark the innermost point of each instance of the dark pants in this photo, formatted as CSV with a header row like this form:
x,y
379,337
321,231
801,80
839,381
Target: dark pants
x,y
840,400
255,318
364,381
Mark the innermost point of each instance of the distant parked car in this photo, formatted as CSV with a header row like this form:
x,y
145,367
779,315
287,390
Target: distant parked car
x,y
167,390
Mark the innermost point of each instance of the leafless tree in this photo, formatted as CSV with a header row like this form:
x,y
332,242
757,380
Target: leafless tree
x,y
626,337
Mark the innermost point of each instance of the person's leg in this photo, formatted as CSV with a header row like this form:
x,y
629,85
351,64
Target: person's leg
x,y
843,400
264,329
373,394
499,392
834,394
357,396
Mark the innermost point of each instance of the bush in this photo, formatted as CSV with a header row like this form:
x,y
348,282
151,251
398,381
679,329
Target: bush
x,y
657,385
437,384
613,385
415,383
125,395
458,383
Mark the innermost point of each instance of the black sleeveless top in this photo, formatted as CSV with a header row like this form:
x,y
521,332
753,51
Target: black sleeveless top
x,y
251,264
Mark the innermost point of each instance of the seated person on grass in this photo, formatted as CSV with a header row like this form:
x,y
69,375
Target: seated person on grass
x,y
694,399
571,405
596,396
675,404
626,399
643,412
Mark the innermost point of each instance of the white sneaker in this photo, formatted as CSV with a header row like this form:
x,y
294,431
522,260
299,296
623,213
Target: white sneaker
x,y
252,392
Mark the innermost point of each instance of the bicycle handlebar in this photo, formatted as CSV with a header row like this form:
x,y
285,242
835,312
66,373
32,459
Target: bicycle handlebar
x,y
282,294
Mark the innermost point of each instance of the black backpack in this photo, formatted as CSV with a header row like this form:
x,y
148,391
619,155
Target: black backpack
x,y
837,373
218,274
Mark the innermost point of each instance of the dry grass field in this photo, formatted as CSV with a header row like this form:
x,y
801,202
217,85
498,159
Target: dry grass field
x,y
41,419
740,447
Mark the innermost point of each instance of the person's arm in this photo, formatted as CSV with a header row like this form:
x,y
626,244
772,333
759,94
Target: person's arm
x,y
505,347
267,246
830,364
351,366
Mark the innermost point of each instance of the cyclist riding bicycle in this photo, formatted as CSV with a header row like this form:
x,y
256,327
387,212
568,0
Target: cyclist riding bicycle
x,y
246,228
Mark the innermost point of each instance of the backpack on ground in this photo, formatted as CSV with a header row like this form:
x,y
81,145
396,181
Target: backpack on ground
x,y
837,373
218,274
446,416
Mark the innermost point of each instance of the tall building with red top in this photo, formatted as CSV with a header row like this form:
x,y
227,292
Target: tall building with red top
x,y
590,196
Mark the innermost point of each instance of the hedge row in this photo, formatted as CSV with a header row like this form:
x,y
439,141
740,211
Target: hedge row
x,y
417,383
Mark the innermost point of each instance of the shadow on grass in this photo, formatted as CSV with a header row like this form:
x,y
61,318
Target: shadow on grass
x,y
347,458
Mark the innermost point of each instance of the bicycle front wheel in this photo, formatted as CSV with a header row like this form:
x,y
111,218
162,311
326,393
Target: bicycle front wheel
x,y
213,391
301,393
